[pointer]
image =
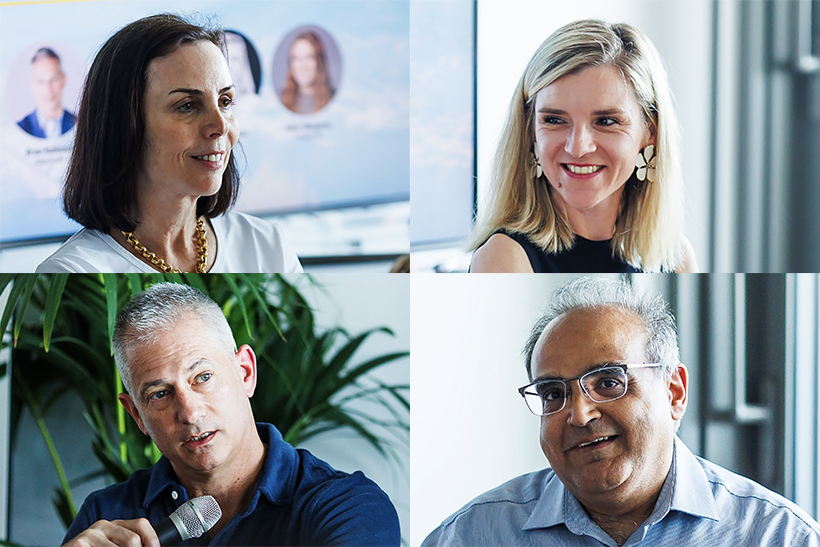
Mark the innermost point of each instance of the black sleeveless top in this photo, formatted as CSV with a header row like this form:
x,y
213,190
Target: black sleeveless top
x,y
586,256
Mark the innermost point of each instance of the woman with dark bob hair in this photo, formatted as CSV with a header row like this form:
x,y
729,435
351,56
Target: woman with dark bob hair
x,y
152,176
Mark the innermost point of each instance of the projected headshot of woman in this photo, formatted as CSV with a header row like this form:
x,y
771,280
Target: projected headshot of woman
x,y
307,86
152,174
587,176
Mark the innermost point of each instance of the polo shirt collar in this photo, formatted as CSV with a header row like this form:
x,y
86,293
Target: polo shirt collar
x,y
277,481
161,477
693,495
280,470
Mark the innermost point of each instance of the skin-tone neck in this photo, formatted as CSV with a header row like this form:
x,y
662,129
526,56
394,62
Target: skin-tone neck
x,y
53,111
232,486
618,517
168,229
596,223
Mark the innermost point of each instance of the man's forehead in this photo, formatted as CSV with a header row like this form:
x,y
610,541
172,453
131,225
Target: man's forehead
x,y
46,63
582,337
169,344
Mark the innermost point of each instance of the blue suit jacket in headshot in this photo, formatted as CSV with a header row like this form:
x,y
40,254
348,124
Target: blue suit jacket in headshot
x,y
30,125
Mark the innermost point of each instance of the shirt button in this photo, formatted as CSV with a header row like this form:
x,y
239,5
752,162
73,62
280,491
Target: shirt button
x,y
174,494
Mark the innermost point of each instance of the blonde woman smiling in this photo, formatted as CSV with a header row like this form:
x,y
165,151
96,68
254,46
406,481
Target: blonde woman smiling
x,y
587,175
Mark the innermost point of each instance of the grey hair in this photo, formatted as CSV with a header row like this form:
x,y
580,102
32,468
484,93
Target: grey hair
x,y
591,293
154,311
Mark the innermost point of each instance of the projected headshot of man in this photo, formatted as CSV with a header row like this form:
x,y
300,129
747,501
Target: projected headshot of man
x,y
188,387
49,118
243,62
606,380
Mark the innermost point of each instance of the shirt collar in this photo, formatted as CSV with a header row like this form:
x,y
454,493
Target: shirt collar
x,y
279,472
693,495
549,509
51,127
277,481
161,477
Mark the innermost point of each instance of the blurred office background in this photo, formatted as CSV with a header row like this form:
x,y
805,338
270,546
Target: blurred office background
x,y
336,180
750,343
355,302
746,78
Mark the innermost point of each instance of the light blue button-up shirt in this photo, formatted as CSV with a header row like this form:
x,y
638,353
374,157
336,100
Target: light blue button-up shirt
x,y
700,504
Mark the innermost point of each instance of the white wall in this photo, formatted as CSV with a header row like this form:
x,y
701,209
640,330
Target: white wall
x,y
471,429
510,31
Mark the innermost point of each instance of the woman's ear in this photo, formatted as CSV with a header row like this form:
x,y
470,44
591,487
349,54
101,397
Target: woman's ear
x,y
652,135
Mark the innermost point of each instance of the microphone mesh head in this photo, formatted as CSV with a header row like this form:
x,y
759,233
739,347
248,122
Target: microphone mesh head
x,y
198,515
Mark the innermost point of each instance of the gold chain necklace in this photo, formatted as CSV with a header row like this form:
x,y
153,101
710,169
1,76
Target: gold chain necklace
x,y
202,257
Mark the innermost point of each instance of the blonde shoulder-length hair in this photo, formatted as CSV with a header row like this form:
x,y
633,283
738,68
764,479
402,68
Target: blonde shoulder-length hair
x,y
647,230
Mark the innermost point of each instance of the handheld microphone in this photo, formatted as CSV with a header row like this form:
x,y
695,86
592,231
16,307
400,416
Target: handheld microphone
x,y
191,519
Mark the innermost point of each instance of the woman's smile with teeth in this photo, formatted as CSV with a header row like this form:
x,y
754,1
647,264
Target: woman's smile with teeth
x,y
209,157
583,170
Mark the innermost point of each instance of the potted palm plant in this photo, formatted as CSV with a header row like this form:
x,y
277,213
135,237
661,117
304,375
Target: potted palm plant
x,y
60,332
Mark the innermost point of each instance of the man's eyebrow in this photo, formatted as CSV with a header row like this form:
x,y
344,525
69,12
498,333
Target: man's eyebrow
x,y
588,368
144,387
191,91
195,364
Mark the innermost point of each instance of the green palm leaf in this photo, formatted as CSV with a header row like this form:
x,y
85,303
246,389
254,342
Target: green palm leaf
x,y
309,380
55,294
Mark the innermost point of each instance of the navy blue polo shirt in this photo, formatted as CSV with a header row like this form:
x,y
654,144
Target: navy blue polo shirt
x,y
299,500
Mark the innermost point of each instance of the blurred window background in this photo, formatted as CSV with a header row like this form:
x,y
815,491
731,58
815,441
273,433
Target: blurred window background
x,y
746,80
750,342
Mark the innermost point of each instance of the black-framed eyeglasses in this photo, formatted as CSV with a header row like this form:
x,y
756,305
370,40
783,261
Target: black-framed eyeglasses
x,y
603,384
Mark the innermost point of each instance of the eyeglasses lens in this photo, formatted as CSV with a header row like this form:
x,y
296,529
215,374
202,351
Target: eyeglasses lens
x,y
602,385
550,398
605,384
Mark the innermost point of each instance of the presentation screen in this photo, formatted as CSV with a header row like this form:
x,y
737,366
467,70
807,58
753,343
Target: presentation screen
x,y
346,146
443,118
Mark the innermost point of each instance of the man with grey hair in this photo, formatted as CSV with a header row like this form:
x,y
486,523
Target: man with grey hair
x,y
49,119
188,387
606,381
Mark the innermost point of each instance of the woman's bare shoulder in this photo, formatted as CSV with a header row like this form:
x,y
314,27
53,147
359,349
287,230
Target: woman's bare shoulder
x,y
500,254
689,264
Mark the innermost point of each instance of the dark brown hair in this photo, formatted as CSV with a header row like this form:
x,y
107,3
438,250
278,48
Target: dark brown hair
x,y
100,190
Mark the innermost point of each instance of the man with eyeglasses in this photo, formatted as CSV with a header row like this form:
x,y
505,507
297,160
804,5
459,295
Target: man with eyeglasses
x,y
608,385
